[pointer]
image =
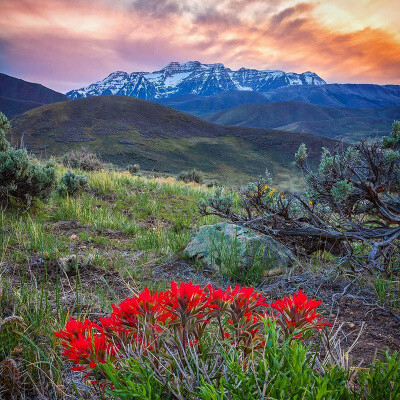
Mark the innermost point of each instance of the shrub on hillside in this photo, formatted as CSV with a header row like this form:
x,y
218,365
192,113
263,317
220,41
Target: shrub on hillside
x,y
212,184
5,126
22,179
82,159
72,183
351,207
133,169
191,176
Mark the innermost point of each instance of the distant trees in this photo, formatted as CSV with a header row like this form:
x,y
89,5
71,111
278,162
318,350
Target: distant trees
x,y
351,207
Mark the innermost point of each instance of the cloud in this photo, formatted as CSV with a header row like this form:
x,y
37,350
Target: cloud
x,y
157,8
291,12
68,43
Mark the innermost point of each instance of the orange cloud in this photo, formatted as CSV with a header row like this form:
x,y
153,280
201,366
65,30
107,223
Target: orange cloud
x,y
68,43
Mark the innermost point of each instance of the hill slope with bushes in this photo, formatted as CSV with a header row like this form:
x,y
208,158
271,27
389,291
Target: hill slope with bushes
x,y
126,130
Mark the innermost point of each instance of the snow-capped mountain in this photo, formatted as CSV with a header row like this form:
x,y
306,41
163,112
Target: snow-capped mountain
x,y
193,78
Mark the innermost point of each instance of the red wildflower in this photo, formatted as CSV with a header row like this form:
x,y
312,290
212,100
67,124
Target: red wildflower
x,y
247,297
218,300
147,305
75,329
85,344
297,313
88,351
180,317
244,306
185,298
110,324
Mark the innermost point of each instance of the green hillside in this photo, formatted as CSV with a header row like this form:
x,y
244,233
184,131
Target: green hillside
x,y
293,116
125,130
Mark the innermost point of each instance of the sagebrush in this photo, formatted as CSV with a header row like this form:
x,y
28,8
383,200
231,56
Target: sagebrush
x,y
82,159
22,179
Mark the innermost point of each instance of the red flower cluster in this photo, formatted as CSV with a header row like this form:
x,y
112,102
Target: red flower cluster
x,y
297,315
183,316
86,344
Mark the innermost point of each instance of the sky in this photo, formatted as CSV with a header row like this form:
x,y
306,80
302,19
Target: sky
x,y
67,44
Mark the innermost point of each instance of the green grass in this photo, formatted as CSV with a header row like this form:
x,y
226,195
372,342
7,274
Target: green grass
x,y
123,225
123,222
119,213
387,291
228,255
138,208
229,160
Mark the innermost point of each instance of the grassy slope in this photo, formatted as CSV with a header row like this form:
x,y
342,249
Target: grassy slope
x,y
127,130
117,201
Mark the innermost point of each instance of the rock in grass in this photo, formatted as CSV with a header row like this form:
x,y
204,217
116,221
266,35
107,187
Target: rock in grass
x,y
225,243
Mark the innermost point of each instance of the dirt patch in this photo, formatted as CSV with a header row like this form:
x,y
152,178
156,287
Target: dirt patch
x,y
381,329
73,227
181,271
174,197
65,227
349,304
113,234
106,197
156,222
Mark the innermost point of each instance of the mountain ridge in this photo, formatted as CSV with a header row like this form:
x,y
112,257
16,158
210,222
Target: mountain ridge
x,y
335,95
193,77
18,95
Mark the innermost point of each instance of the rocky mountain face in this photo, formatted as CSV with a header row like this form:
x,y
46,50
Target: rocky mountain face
x,y
192,77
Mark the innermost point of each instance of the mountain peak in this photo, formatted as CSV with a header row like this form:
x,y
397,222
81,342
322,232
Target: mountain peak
x,y
193,77
177,66
192,64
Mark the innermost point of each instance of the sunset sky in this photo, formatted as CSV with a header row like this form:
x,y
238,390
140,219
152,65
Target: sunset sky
x,y
66,44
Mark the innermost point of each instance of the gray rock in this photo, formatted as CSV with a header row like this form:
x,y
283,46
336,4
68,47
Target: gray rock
x,y
224,243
